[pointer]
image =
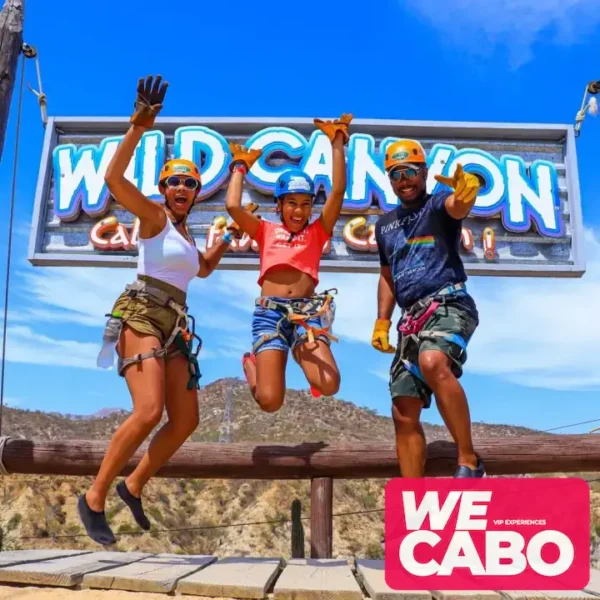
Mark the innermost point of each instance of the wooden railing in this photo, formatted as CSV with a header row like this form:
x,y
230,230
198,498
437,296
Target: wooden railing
x,y
321,462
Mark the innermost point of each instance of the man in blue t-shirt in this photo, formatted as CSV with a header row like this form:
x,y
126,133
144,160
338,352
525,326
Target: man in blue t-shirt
x,y
422,272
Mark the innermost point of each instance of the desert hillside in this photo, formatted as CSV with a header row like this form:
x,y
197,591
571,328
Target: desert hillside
x,y
216,516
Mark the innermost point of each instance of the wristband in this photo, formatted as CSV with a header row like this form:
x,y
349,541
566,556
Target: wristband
x,y
227,237
240,166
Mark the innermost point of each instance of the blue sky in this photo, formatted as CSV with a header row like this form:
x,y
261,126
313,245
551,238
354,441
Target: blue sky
x,y
533,362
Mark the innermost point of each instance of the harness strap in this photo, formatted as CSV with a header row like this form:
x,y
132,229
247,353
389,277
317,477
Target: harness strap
x,y
180,334
267,337
297,313
411,326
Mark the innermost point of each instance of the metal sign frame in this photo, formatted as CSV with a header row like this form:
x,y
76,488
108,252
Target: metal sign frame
x,y
466,131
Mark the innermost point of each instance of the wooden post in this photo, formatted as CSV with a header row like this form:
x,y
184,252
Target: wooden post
x,y
297,530
11,39
321,520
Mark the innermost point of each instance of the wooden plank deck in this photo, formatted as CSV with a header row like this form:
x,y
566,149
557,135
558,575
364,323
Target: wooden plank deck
x,y
135,574
158,574
233,577
66,571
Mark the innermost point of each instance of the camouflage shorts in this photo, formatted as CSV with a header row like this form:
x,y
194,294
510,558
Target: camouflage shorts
x,y
147,317
458,317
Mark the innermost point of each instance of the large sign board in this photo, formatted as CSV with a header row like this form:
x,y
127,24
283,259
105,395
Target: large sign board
x,y
526,221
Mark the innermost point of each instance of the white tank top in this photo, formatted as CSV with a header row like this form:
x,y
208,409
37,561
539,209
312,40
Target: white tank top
x,y
169,257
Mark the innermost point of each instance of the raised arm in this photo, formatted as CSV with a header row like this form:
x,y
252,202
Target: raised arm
x,y
241,162
149,102
337,132
210,259
465,186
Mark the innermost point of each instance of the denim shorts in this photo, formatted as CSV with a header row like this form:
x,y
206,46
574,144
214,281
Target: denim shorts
x,y
271,330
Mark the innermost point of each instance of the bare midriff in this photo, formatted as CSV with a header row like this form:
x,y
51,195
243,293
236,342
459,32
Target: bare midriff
x,y
287,282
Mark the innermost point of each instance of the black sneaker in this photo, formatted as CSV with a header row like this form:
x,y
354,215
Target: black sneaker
x,y
462,471
95,523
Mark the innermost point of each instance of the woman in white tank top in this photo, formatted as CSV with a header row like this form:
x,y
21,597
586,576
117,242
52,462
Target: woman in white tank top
x,y
154,353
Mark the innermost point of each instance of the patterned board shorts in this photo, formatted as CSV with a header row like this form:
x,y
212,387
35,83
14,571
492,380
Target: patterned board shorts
x,y
457,316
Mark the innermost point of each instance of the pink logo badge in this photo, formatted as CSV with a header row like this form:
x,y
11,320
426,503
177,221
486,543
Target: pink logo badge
x,y
487,534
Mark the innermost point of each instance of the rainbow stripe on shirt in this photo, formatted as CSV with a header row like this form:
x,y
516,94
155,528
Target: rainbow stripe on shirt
x,y
425,241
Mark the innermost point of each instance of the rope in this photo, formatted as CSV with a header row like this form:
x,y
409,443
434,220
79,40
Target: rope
x,y
10,230
203,527
221,526
571,425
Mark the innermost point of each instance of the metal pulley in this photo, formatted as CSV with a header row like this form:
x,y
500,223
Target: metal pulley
x,y
31,52
587,105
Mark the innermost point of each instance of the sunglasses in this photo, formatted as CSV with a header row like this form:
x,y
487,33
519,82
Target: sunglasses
x,y
408,173
189,182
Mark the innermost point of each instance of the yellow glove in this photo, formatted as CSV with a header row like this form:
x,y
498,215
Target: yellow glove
x,y
465,185
380,339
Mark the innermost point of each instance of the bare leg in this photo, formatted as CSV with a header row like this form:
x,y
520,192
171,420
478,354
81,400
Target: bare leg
x,y
182,410
451,401
146,385
411,447
266,379
319,366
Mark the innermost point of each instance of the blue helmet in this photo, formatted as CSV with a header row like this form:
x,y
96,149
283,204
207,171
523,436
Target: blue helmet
x,y
294,181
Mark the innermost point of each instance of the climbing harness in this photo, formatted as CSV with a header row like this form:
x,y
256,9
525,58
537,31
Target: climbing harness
x,y
298,312
182,335
416,316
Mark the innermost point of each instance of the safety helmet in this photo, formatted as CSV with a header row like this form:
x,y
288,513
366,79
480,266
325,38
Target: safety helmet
x,y
293,181
403,152
179,166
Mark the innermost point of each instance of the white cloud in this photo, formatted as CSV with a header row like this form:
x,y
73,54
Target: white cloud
x,y
23,345
537,332
516,24
71,295
80,296
540,332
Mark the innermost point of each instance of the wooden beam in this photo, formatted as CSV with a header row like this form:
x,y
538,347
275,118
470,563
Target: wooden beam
x,y
321,517
11,39
502,456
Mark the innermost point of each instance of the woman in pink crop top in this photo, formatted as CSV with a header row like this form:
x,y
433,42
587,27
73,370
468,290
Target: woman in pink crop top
x,y
148,322
289,314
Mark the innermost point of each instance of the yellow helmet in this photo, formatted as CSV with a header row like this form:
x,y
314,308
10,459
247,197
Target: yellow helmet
x,y
403,152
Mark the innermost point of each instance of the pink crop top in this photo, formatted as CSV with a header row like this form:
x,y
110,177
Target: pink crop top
x,y
302,253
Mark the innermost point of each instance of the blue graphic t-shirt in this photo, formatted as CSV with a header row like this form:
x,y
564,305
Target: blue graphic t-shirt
x,y
421,247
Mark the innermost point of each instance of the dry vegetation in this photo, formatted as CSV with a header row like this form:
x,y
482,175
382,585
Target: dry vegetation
x,y
38,510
